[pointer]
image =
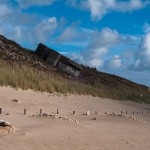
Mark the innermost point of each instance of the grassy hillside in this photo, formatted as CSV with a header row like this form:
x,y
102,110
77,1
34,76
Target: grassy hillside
x,y
25,77
20,67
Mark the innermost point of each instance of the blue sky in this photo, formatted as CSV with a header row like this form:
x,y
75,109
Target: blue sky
x,y
111,35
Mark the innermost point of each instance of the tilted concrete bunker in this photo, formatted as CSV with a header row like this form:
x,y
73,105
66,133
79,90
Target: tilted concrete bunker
x,y
56,59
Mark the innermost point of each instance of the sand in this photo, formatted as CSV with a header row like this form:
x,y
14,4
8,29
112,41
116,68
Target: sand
x,y
97,131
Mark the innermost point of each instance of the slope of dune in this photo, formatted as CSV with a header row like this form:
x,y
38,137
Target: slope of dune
x,y
16,59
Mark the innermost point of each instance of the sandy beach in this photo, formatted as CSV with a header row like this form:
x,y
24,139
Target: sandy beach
x,y
97,131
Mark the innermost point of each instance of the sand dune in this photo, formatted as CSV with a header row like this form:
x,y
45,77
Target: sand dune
x,y
97,131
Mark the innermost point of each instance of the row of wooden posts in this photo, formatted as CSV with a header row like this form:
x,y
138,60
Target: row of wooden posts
x,y
88,112
25,111
133,112
57,112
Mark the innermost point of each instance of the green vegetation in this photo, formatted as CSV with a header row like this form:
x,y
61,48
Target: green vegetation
x,y
25,77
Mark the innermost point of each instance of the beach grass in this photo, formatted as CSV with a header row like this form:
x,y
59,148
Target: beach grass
x,y
26,77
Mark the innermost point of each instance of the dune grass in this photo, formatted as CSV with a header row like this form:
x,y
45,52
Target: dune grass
x,y
25,77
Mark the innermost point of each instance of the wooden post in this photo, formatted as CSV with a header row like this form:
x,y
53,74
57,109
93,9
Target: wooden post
x,y
137,112
142,112
40,111
57,111
126,112
133,112
0,110
25,111
121,112
74,112
87,112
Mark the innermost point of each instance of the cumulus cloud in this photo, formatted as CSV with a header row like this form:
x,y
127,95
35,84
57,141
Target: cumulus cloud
x,y
24,27
95,48
74,35
142,61
43,30
29,3
99,46
93,56
114,63
99,8
130,5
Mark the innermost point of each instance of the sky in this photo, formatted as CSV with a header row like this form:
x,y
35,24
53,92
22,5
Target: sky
x,y
110,35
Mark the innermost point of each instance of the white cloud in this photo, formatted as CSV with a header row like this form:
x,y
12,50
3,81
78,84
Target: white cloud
x,y
96,62
99,8
25,27
94,54
13,23
29,3
106,37
73,35
43,31
130,5
142,61
114,63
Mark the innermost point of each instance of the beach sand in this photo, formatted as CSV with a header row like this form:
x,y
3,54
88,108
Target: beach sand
x,y
97,131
